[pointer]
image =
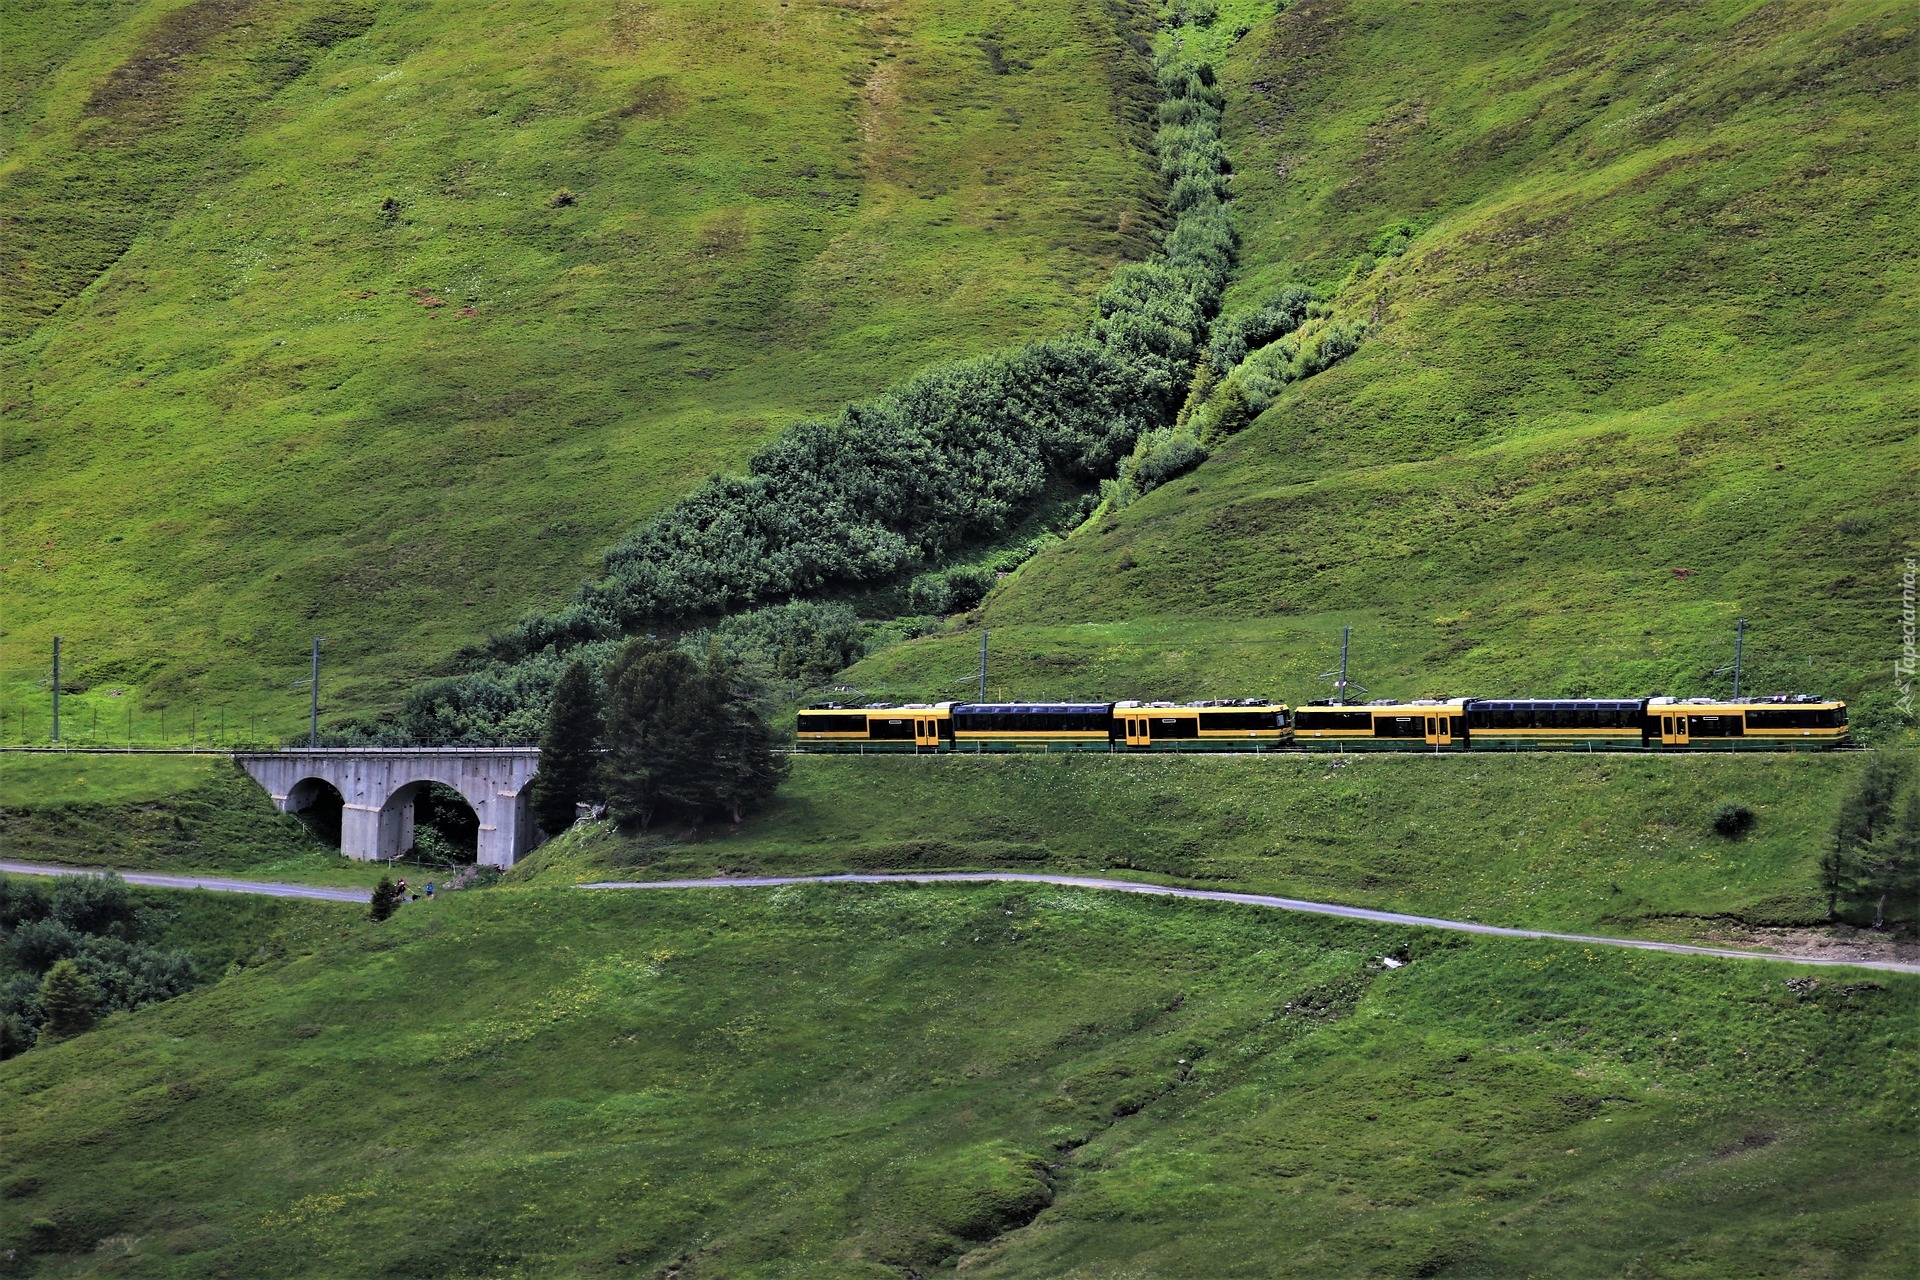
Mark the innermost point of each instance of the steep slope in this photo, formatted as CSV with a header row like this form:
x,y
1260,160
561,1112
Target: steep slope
x,y
846,1082
380,321
1639,293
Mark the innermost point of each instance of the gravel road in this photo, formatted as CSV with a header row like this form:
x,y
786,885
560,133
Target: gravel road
x,y
271,889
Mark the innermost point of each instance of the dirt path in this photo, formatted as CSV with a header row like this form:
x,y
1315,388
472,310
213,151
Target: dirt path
x,y
1258,900
1850,957
217,884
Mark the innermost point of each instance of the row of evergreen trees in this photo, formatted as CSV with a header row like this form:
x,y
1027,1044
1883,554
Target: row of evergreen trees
x,y
1871,869
654,731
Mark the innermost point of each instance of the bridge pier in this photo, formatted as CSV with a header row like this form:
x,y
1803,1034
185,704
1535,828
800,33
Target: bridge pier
x,y
379,786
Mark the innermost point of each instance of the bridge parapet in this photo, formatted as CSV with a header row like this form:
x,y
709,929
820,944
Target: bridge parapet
x,y
380,784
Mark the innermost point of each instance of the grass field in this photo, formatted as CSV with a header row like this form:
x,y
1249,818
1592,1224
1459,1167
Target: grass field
x,y
1643,368
846,1082
1567,843
182,814
1609,844
379,322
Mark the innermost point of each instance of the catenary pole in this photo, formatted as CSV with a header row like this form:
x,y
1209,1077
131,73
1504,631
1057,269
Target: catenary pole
x,y
1345,632
1739,639
56,689
313,714
983,664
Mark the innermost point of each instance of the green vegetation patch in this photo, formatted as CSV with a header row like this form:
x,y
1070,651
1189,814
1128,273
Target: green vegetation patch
x,y
157,813
1640,312
378,322
856,1081
1604,843
41,780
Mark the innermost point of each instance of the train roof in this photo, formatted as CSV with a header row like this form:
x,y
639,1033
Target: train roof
x,y
1557,704
1034,708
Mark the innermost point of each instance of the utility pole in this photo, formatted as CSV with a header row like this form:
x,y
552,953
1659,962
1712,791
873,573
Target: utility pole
x,y
1339,678
983,664
56,690
313,716
1739,638
1345,634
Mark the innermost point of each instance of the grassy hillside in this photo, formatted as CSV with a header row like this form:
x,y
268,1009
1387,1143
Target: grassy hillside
x,y
157,813
1616,846
844,1082
1641,366
381,321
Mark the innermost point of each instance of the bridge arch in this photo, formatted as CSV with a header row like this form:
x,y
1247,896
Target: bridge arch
x,y
379,785
319,804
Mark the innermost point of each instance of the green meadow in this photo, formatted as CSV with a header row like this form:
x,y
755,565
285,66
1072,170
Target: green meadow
x,y
881,1082
1641,366
382,321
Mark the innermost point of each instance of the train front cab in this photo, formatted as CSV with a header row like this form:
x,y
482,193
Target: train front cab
x,y
1423,725
1245,725
1798,723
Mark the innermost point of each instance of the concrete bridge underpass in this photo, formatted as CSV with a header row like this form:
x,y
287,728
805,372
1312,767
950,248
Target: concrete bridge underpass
x,y
378,787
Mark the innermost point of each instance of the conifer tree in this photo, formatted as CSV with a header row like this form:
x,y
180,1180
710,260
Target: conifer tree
x,y
744,765
1864,816
69,1002
647,688
1890,865
386,898
568,750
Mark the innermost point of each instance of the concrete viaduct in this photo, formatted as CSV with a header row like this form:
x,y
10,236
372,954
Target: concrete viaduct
x,y
380,784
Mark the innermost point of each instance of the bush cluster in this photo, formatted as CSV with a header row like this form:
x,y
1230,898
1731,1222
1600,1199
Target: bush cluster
x,y
76,953
950,458
895,484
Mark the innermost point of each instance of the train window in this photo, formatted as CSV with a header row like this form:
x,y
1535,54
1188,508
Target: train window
x,y
888,730
1362,720
1825,718
833,724
1715,727
1176,727
1214,721
1399,727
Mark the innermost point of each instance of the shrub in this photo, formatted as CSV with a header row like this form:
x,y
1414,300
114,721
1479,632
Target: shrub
x,y
1732,818
69,1002
21,899
386,899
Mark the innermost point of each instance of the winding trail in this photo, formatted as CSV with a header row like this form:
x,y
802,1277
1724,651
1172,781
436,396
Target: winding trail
x,y
218,884
1250,900
281,890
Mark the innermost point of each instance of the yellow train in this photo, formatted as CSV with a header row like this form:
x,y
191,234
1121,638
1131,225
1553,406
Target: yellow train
x,y
1786,723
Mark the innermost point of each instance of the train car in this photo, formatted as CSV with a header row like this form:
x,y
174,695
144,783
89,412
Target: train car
x,y
1790,722
1032,726
1249,724
1556,724
915,728
1420,725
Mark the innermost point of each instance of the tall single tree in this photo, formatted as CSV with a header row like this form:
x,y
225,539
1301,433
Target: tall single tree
x,y
648,685
745,764
1890,864
69,1002
569,749
1864,815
